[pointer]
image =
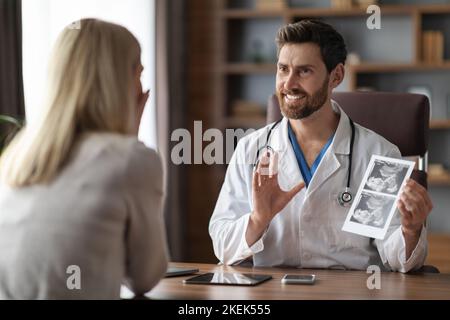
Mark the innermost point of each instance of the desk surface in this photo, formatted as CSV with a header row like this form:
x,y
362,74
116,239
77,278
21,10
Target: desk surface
x,y
330,284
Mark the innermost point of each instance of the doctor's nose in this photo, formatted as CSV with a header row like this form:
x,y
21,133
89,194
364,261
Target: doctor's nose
x,y
291,83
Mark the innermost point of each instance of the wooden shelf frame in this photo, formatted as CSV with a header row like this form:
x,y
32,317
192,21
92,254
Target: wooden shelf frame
x,y
244,67
250,13
440,124
398,67
232,13
249,68
439,181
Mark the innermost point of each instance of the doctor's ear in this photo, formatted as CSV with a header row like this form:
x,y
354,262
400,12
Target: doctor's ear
x,y
337,75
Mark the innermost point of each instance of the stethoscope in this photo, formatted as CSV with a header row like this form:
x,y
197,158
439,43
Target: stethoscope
x,y
345,197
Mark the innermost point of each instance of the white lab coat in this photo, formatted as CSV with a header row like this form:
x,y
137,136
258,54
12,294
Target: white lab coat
x,y
307,232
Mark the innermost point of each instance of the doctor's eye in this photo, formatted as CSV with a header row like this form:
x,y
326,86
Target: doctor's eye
x,y
282,68
305,72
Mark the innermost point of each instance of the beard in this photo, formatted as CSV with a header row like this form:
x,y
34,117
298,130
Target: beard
x,y
307,105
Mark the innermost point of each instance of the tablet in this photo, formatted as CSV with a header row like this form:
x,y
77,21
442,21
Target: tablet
x,y
233,279
176,271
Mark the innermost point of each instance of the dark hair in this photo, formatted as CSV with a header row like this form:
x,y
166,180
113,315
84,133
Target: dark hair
x,y
331,43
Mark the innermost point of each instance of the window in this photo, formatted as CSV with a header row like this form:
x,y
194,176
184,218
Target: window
x,y
43,20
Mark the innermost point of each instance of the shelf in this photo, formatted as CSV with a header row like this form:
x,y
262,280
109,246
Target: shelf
x,y
250,68
398,67
250,13
440,124
434,9
244,68
439,180
334,12
320,12
356,11
255,123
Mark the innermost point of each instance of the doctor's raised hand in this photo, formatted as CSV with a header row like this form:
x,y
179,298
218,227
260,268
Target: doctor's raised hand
x,y
268,198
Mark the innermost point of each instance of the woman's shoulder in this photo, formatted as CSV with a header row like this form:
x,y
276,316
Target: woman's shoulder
x,y
114,143
119,151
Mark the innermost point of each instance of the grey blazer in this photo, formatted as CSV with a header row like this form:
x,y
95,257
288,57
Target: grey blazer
x,y
97,225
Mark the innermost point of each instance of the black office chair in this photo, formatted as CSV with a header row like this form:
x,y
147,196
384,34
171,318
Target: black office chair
x,y
9,126
401,118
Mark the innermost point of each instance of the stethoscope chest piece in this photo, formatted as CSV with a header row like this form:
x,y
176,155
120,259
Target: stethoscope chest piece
x,y
345,198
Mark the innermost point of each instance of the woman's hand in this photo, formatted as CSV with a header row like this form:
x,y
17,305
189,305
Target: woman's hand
x,y
141,101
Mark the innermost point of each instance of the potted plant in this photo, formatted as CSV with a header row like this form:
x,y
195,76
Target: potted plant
x,y
9,126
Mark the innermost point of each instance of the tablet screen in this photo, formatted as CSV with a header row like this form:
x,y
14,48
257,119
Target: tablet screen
x,y
236,279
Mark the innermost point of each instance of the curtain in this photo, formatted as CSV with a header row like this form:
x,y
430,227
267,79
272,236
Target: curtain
x,y
170,97
11,80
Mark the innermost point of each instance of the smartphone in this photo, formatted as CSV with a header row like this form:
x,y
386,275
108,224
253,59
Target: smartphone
x,y
298,279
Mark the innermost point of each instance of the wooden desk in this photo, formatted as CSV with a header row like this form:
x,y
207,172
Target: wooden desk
x,y
330,284
439,251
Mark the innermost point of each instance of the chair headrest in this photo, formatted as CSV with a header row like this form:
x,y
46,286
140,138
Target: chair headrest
x,y
401,118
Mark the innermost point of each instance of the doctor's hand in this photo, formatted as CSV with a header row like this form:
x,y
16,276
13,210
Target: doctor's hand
x,y
268,198
414,206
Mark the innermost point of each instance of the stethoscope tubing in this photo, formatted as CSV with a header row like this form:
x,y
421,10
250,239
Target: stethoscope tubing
x,y
352,140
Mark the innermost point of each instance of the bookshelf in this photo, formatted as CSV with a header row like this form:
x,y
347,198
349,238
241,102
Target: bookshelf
x,y
381,64
218,35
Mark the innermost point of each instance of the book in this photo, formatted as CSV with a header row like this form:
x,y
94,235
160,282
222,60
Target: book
x,y
266,5
427,46
433,46
438,47
341,4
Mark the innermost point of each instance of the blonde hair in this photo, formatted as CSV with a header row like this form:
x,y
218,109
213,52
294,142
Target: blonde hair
x,y
90,88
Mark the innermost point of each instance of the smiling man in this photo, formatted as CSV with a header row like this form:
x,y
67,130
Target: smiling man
x,y
290,216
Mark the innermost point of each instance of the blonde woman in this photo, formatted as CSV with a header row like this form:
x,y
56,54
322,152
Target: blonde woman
x,y
80,197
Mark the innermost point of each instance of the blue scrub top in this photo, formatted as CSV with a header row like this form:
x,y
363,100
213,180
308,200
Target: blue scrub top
x,y
307,172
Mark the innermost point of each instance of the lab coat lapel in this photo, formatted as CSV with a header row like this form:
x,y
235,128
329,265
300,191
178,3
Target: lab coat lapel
x,y
289,173
340,145
329,165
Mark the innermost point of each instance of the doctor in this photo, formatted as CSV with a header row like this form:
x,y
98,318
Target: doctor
x,y
286,212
